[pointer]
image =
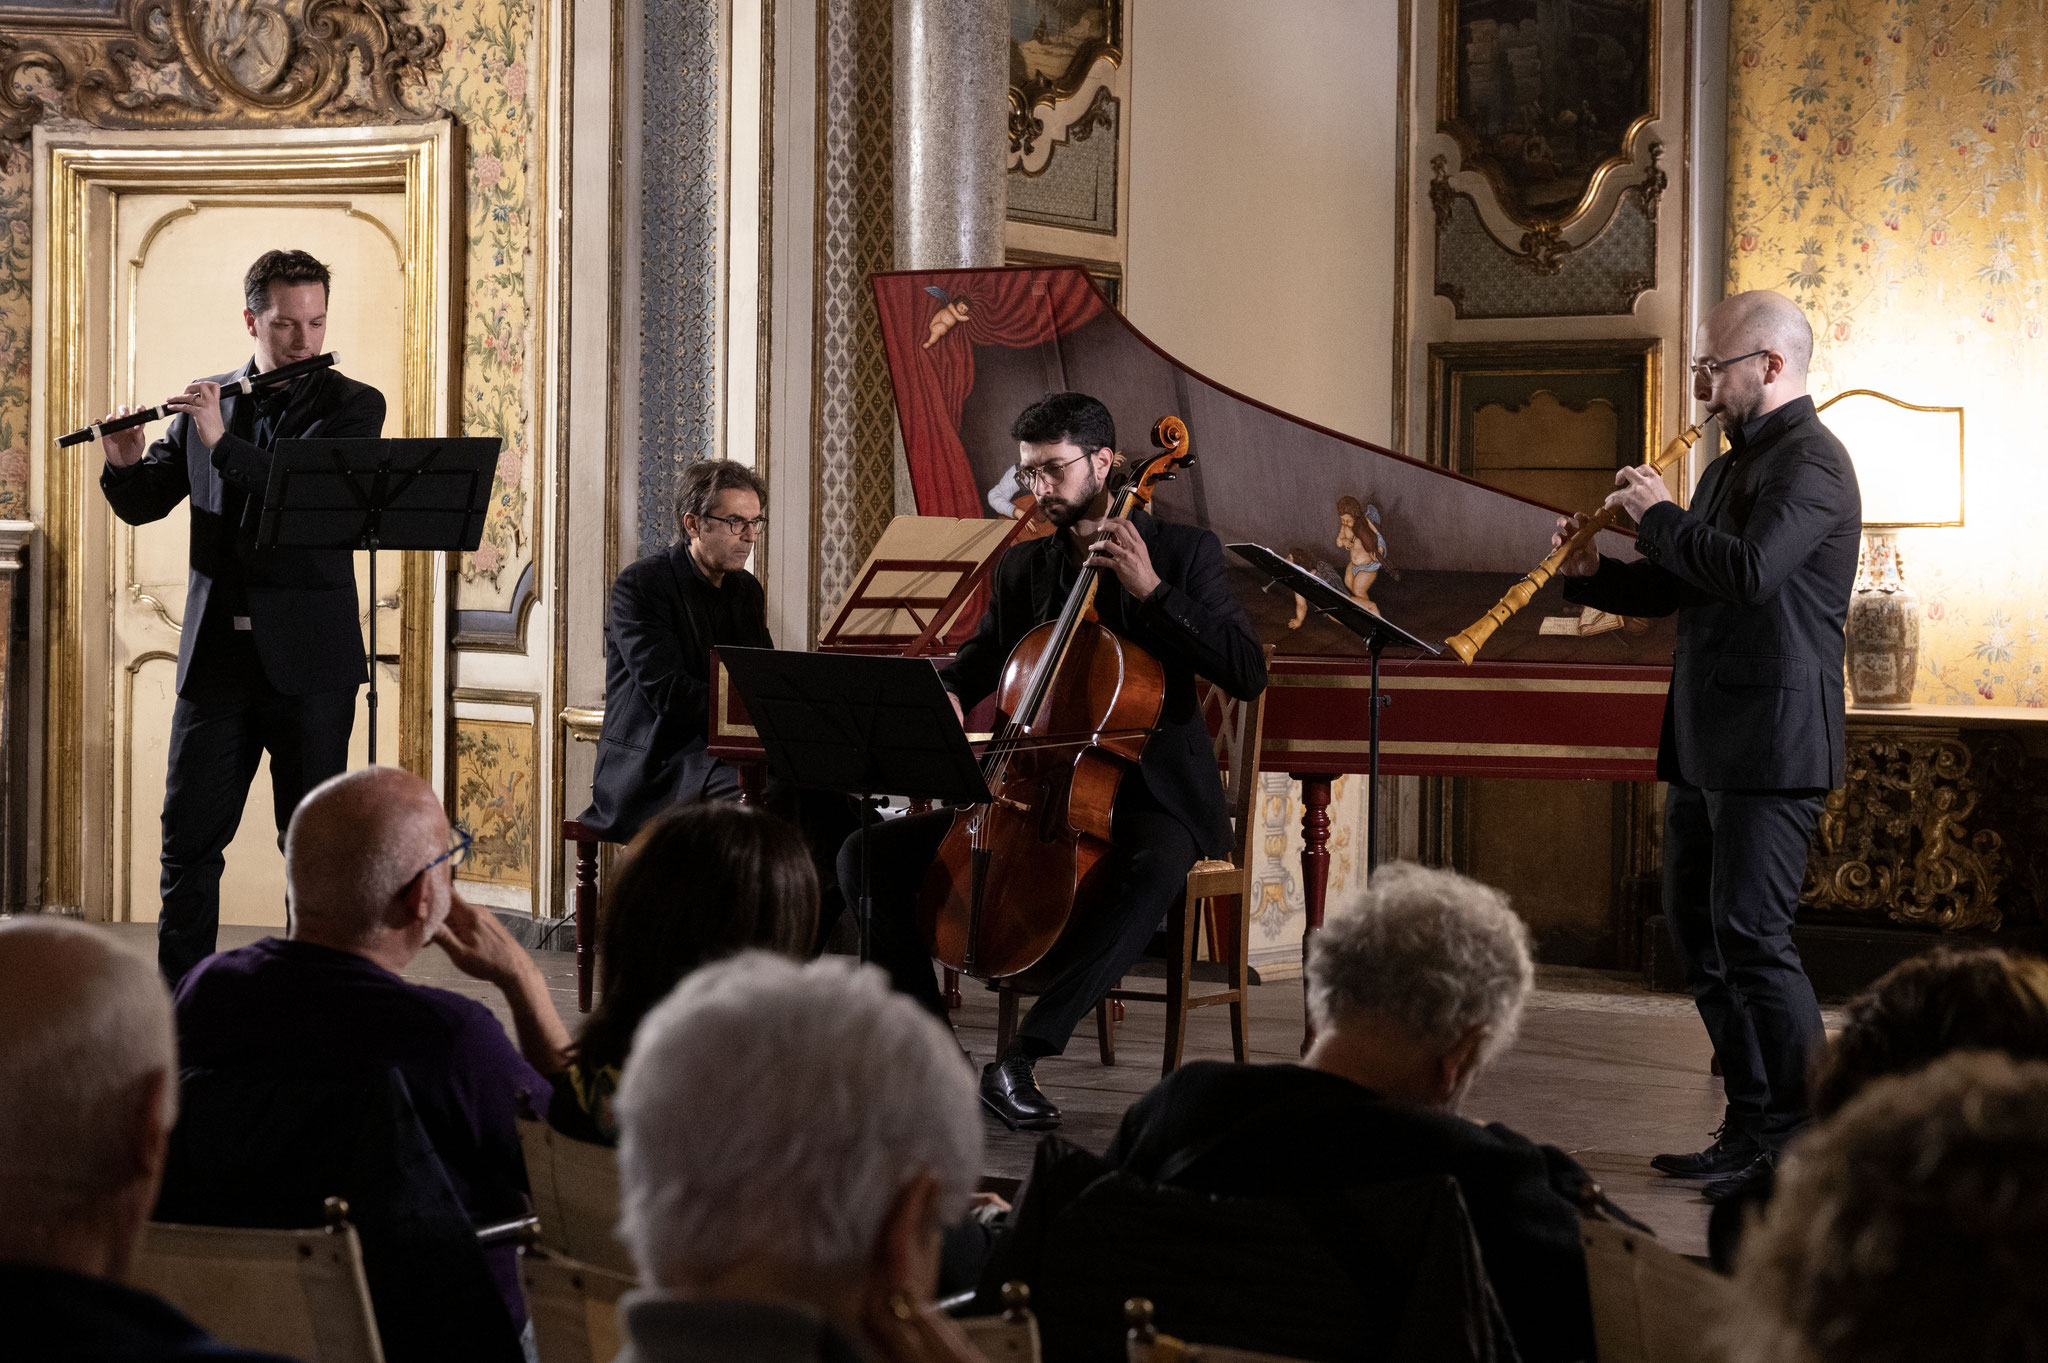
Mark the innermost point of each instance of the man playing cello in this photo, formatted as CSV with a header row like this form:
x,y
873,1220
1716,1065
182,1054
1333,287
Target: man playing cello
x,y
1164,590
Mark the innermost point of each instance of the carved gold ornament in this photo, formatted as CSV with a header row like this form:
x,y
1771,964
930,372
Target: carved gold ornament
x,y
227,63
1031,90
1898,840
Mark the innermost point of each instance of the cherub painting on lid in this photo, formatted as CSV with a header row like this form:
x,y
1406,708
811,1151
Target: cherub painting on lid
x,y
951,314
1359,535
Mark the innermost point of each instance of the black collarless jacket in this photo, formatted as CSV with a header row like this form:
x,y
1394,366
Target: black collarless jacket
x,y
1759,571
303,614
1190,623
664,620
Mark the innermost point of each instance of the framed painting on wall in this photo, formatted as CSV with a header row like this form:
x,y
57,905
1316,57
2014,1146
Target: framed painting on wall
x,y
1544,96
1546,420
1053,45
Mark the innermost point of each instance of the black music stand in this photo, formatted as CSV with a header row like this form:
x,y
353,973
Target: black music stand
x,y
378,494
857,725
1377,633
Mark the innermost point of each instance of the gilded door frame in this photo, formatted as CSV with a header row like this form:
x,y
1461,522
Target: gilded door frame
x,y
424,162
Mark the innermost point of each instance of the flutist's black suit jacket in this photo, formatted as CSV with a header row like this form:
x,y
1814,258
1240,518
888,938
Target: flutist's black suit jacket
x,y
1759,570
302,602
1190,623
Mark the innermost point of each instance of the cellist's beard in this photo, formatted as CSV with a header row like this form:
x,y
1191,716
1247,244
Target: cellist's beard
x,y
1064,514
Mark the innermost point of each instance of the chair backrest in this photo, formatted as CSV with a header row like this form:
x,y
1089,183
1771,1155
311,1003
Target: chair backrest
x,y
266,1150
1237,728
1390,1271
574,1307
298,1293
575,1188
1011,1337
1649,1304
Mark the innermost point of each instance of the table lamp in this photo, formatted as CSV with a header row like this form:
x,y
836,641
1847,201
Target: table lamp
x,y
1909,466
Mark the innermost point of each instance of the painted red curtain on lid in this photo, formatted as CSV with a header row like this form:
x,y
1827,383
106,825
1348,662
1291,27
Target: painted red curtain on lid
x,y
933,356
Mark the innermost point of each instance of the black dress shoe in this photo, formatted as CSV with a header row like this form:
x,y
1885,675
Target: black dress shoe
x,y
1761,1166
1730,1152
1010,1090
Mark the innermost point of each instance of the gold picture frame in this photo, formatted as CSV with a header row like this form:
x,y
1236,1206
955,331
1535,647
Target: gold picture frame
x,y
1030,88
1456,119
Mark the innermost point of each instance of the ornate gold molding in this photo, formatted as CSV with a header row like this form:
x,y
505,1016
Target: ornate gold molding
x,y
1543,247
1896,840
188,64
1028,93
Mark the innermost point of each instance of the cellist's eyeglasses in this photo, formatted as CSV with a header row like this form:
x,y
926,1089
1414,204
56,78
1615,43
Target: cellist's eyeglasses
x,y
1707,367
1045,475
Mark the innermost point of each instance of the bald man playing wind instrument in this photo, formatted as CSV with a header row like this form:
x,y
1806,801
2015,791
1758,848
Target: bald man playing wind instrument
x,y
1758,570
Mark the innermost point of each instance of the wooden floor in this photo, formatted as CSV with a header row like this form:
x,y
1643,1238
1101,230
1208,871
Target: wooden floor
x,y
1603,1069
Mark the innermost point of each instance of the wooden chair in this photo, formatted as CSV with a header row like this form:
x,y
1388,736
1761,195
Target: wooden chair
x,y
1239,727
574,1307
1649,1304
1143,1343
575,1190
1011,1337
299,1293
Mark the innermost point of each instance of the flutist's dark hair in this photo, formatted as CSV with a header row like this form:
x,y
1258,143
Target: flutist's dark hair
x,y
280,267
704,480
1074,417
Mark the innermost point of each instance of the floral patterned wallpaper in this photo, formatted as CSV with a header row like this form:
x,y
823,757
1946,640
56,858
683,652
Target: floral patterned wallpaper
x,y
486,82
1887,166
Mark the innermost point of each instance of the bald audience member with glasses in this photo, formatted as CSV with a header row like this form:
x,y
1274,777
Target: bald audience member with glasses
x,y
369,866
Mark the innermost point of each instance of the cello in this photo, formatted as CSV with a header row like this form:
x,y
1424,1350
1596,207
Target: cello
x,y
1079,702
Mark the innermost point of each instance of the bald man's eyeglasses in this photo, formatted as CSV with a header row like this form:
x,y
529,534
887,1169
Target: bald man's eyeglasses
x,y
454,856
1707,367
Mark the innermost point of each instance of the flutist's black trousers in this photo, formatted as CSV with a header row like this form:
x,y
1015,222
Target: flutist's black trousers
x,y
1149,862
226,718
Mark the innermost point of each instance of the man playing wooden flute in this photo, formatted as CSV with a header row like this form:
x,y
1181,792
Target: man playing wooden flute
x,y
1758,570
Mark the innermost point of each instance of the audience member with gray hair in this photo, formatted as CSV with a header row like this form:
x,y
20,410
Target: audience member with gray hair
x,y
369,860
1414,989
88,1095
799,1218
1910,1225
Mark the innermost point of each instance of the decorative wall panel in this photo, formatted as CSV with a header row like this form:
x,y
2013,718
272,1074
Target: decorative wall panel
x,y
1548,277
1077,188
679,209
1888,170
854,494
494,797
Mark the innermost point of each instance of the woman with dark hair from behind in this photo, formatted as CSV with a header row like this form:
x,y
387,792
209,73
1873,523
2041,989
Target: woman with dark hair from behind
x,y
1950,999
701,882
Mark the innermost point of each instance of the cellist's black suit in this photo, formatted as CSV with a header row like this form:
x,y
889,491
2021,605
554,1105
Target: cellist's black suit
x,y
1169,813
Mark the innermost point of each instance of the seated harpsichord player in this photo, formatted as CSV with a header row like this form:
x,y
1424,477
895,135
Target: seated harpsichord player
x,y
668,611
1164,590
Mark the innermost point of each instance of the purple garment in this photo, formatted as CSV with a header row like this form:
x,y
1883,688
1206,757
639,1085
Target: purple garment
x,y
282,1006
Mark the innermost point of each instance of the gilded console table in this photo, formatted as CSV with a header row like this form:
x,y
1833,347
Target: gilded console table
x,y
1942,822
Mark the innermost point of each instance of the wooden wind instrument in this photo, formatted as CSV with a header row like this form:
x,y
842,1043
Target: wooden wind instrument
x,y
1467,643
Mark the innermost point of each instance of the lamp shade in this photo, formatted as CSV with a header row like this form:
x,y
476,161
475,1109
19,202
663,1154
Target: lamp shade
x,y
1909,459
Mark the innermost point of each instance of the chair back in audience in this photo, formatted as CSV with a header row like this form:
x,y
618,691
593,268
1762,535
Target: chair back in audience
x,y
1649,1304
298,1293
576,1196
267,1150
574,1307
1389,1272
1144,1344
1011,1337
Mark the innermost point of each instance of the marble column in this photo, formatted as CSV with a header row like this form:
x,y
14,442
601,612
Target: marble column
x,y
952,130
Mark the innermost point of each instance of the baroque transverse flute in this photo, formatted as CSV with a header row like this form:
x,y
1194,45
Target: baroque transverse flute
x,y
1467,643
269,378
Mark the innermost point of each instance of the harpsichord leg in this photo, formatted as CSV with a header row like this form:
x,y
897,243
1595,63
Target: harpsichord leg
x,y
1315,873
